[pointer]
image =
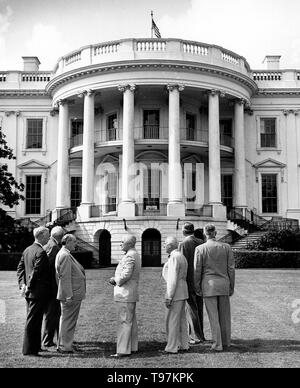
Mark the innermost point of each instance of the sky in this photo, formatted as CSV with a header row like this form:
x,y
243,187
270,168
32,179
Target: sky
x,y
50,29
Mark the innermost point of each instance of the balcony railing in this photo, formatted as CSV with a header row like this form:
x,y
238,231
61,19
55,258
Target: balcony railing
x,y
152,133
154,209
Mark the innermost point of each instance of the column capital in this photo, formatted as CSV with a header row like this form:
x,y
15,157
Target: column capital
x,y
171,87
213,92
62,102
123,88
286,112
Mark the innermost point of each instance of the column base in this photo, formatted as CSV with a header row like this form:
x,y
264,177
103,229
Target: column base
x,y
126,209
176,209
219,211
84,212
57,213
293,213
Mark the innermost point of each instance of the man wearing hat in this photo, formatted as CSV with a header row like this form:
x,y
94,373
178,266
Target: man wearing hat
x,y
214,276
194,304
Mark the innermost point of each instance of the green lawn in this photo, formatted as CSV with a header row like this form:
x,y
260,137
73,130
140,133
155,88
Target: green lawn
x,y
264,334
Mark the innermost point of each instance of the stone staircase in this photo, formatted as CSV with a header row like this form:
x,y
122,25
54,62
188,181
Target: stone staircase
x,y
250,238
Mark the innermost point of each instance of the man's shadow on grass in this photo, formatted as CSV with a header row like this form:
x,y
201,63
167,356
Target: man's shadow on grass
x,y
95,349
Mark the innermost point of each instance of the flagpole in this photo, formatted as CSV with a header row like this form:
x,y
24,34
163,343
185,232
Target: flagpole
x,y
151,24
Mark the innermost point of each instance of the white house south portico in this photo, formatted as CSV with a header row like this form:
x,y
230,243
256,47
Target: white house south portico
x,y
149,133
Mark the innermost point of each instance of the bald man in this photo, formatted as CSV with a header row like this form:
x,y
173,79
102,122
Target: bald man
x,y
126,282
175,273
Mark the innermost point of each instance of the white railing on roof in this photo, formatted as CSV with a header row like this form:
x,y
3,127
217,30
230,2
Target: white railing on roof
x,y
36,77
230,58
195,49
267,75
74,57
151,45
106,48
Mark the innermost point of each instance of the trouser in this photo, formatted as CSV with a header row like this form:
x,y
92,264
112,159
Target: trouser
x,y
127,337
33,326
194,314
67,324
51,321
176,327
218,310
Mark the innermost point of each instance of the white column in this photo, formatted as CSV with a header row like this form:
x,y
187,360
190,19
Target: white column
x,y
63,179
127,206
240,198
214,155
87,191
175,203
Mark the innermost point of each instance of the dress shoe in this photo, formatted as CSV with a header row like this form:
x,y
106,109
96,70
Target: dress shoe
x,y
165,352
32,355
119,355
195,342
184,350
50,345
64,351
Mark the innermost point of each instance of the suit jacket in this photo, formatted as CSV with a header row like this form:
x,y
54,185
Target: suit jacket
x,y
187,248
71,276
33,271
52,248
174,273
214,269
127,277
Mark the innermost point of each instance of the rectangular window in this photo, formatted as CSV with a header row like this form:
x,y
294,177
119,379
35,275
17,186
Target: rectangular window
x,y
190,126
268,132
76,184
34,133
226,132
112,126
76,132
33,194
112,181
227,189
269,193
151,189
151,124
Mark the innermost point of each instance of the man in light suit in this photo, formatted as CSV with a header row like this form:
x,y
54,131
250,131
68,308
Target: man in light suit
x,y
34,280
52,312
214,275
71,292
175,273
194,305
126,282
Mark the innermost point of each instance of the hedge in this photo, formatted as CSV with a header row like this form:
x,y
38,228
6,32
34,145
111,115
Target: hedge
x,y
10,261
266,259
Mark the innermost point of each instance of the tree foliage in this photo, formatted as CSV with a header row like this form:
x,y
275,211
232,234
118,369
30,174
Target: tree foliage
x,y
10,189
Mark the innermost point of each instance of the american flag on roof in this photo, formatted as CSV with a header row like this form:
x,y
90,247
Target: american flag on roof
x,y
155,29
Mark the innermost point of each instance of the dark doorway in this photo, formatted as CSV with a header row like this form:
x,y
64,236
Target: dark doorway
x,y
105,247
151,248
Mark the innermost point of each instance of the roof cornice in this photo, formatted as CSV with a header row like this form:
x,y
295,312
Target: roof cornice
x,y
24,93
153,65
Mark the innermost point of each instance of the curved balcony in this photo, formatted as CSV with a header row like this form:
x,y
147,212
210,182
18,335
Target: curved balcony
x,y
151,134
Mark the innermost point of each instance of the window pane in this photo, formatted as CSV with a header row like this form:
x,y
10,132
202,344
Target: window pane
x,y
76,184
34,133
269,193
268,132
33,194
190,126
111,126
151,124
227,189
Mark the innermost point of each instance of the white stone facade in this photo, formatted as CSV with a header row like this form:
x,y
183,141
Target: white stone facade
x,y
153,132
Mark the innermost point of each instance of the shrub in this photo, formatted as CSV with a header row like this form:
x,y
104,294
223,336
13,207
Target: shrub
x,y
283,240
266,259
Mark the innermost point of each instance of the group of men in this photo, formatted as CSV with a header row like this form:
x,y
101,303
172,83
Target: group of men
x,y
54,285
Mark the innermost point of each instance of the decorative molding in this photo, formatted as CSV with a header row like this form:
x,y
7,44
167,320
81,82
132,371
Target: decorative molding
x,y
161,65
286,112
179,87
24,93
123,88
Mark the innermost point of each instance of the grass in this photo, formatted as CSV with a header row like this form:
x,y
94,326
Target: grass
x,y
263,331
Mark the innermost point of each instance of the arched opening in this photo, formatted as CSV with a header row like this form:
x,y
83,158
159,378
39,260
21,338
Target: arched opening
x,y
104,247
151,248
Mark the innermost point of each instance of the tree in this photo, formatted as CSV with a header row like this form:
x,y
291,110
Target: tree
x,y
10,189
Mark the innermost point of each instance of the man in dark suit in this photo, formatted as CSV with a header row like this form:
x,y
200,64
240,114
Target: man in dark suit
x,y
52,312
34,280
194,304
